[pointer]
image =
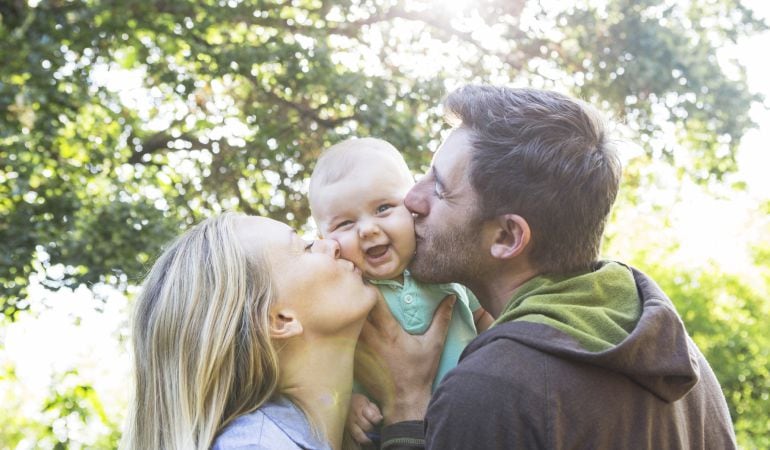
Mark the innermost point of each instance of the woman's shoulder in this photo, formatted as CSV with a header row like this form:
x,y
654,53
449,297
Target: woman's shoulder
x,y
249,431
277,424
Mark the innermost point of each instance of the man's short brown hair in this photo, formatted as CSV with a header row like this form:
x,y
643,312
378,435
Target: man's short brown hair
x,y
546,157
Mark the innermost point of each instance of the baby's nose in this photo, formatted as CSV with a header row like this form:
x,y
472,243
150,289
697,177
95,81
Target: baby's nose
x,y
368,229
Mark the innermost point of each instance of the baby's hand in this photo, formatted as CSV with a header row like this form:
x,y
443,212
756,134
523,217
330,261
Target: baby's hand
x,y
362,418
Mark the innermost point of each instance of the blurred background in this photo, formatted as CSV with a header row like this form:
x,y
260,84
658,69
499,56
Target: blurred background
x,y
124,122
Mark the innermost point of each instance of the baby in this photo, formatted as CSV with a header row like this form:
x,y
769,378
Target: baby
x,y
357,198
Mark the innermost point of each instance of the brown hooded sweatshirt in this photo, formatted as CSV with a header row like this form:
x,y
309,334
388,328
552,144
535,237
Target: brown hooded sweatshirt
x,y
534,386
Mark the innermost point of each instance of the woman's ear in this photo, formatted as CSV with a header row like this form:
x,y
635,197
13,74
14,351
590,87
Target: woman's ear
x,y
511,237
284,324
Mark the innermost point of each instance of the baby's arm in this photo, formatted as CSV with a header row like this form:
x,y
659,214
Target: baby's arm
x,y
482,319
363,415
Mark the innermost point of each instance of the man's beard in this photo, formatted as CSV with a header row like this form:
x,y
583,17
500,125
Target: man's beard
x,y
451,254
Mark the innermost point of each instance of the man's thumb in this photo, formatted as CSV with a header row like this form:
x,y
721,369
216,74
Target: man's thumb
x,y
441,317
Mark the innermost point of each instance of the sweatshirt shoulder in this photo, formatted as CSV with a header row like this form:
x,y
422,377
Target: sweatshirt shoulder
x,y
513,386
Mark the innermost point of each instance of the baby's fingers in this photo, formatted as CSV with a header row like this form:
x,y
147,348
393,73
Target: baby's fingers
x,y
371,413
359,435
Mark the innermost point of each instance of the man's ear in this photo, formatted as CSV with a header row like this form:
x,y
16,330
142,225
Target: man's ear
x,y
512,236
284,324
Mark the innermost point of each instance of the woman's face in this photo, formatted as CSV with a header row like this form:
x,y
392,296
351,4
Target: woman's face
x,y
325,292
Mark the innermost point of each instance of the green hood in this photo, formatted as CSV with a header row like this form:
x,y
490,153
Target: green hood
x,y
599,309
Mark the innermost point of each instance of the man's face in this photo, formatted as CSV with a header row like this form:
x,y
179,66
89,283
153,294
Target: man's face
x,y
446,224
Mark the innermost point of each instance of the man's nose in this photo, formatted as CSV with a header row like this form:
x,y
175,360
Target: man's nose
x,y
329,246
416,200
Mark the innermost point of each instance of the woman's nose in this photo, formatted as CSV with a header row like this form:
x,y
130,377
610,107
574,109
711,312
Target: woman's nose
x,y
329,246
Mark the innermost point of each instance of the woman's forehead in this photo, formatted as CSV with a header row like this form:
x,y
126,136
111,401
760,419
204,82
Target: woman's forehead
x,y
261,232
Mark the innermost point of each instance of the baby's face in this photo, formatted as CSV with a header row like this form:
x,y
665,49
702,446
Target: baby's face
x,y
365,213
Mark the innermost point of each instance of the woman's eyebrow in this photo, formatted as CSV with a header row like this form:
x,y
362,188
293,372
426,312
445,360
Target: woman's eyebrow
x,y
294,236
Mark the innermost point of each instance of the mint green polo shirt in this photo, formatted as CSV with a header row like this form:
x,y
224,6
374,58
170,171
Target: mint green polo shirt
x,y
413,304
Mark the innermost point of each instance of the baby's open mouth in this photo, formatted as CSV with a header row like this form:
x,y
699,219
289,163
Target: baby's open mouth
x,y
377,251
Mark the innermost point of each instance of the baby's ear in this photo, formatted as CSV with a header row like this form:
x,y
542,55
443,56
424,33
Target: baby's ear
x,y
284,324
512,236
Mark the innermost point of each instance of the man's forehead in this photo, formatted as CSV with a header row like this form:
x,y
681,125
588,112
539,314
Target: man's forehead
x,y
451,159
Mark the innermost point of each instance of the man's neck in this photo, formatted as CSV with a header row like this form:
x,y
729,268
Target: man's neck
x,y
495,291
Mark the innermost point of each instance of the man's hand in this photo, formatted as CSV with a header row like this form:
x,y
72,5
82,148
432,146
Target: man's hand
x,y
398,368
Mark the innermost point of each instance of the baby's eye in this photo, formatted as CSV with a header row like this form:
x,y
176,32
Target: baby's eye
x,y
342,224
384,207
309,246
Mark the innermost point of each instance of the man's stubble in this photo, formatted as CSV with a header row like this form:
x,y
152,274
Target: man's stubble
x,y
451,253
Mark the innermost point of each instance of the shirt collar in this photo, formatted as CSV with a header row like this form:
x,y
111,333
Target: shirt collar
x,y
407,278
289,418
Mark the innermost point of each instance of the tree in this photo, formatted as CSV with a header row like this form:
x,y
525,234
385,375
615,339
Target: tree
x,y
235,100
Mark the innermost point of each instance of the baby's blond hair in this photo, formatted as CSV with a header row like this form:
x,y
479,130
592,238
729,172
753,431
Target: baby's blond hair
x,y
340,160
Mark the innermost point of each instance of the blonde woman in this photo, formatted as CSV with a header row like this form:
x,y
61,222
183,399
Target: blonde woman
x,y
244,336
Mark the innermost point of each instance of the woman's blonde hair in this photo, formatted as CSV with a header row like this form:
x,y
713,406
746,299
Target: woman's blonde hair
x,y
202,352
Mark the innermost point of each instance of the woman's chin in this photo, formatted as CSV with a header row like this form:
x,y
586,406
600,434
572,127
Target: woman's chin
x,y
372,295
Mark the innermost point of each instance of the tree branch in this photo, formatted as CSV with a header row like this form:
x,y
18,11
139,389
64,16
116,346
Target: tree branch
x,y
305,111
157,142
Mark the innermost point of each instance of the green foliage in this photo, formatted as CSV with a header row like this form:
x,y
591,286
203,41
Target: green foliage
x,y
74,405
72,417
658,65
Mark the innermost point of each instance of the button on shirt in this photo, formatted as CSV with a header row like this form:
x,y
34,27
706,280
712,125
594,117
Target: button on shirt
x,y
413,305
276,425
